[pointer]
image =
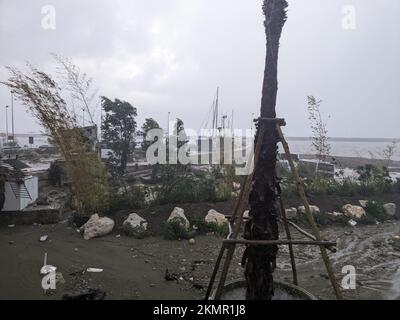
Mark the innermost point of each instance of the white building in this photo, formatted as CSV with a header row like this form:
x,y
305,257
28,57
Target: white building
x,y
20,194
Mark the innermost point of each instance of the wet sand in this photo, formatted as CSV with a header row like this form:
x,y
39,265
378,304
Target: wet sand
x,y
135,269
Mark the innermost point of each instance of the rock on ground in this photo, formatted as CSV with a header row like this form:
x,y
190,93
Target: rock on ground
x,y
314,209
390,209
97,227
135,221
214,216
363,203
291,213
179,213
353,212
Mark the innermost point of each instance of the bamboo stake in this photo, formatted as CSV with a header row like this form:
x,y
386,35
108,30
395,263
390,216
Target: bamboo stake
x,y
289,237
238,213
320,243
309,235
309,215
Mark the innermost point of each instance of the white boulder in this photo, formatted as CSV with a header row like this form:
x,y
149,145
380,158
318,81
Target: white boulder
x,y
291,213
135,221
363,203
314,209
353,212
179,214
214,216
97,227
390,209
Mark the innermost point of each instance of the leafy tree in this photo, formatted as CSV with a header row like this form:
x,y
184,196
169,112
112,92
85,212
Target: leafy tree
x,y
148,125
119,126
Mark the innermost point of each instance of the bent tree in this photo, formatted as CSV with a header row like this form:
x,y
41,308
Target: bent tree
x,y
260,261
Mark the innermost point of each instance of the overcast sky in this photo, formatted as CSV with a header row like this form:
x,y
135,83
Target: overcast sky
x,y
170,55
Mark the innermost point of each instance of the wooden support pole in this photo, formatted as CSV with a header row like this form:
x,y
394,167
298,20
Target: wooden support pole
x,y
309,214
309,235
237,218
278,242
289,237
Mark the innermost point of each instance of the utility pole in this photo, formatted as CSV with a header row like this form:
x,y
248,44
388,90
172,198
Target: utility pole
x,y
7,124
12,116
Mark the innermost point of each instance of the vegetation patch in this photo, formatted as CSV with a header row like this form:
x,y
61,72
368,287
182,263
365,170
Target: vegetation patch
x,y
175,229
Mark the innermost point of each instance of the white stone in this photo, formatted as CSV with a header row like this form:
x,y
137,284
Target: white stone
x,y
314,209
353,212
179,213
352,223
335,214
97,227
43,238
134,221
246,214
215,217
291,213
390,209
94,270
192,241
363,203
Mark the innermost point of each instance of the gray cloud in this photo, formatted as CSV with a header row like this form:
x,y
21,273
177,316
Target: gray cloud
x,y
170,55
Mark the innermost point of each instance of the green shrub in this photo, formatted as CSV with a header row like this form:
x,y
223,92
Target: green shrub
x,y
175,229
131,198
179,185
376,210
203,227
138,232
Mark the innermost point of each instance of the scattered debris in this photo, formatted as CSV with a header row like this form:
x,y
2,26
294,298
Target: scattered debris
x,y
46,269
97,227
170,276
352,223
94,270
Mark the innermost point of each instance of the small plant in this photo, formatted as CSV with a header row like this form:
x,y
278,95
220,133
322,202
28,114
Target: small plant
x,y
376,210
176,229
138,232
320,133
389,152
203,227
133,197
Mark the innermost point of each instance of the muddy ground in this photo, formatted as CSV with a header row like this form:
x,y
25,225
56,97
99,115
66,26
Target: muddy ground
x,y
135,269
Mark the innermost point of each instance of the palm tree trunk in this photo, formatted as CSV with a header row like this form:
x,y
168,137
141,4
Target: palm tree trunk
x,y
260,261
